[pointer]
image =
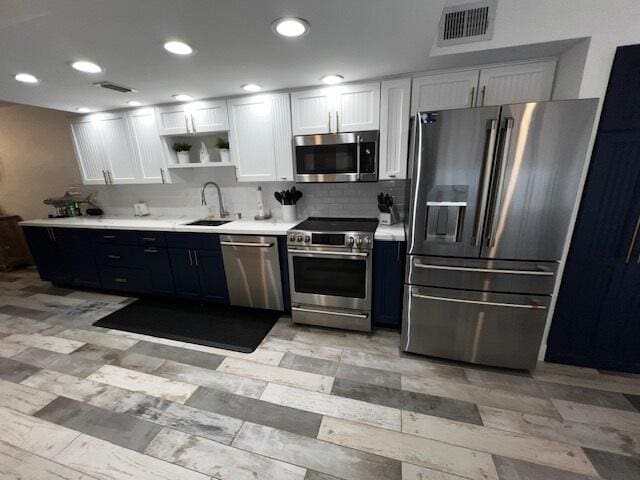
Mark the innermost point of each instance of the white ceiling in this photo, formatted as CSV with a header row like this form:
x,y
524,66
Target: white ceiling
x,y
235,45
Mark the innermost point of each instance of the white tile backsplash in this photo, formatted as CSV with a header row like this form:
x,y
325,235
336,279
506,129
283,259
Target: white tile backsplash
x,y
180,199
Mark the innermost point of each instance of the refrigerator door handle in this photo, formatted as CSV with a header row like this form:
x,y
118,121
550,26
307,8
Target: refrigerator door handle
x,y
633,241
414,147
478,302
501,167
486,181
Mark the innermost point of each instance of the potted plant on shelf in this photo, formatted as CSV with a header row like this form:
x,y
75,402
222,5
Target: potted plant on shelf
x,y
182,151
223,146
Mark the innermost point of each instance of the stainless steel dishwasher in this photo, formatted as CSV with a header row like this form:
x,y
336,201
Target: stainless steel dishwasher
x,y
252,267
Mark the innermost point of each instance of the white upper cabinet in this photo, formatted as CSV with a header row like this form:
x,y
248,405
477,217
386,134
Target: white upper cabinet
x,y
148,146
208,116
282,142
122,164
194,117
357,107
311,112
527,82
394,128
251,138
343,108
85,132
444,91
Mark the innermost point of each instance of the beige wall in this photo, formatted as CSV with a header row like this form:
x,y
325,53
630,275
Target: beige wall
x,y
36,158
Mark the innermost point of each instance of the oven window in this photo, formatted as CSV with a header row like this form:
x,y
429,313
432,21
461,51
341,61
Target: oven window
x,y
326,159
330,276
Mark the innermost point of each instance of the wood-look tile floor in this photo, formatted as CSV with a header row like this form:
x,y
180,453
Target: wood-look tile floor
x,y
80,402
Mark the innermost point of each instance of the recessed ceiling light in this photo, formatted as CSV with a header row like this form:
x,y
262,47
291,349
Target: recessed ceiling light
x,y
86,67
134,103
251,87
290,27
178,48
182,97
83,109
332,79
25,78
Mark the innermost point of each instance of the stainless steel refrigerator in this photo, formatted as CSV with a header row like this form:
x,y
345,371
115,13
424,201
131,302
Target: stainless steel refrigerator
x,y
491,199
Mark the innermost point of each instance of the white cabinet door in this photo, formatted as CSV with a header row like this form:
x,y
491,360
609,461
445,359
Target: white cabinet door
x,y
528,82
282,139
251,138
311,112
357,107
148,146
118,148
394,128
208,116
173,120
444,91
87,140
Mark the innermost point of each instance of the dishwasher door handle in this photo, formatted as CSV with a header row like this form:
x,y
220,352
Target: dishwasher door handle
x,y
247,244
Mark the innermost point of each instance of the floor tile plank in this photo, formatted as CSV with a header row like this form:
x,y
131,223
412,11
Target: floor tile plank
x,y
22,398
606,417
511,469
177,354
58,362
97,338
309,364
54,344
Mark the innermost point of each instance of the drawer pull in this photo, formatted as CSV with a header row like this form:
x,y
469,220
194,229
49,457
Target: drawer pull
x,y
485,270
148,239
109,237
120,280
150,250
114,257
478,302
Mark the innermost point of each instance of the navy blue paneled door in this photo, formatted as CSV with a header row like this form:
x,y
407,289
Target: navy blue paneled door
x,y
597,318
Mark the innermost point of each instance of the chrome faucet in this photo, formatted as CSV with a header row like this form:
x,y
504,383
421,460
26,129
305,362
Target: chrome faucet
x,y
223,213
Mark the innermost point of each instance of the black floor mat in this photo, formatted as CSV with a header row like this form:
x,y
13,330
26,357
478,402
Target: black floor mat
x,y
233,328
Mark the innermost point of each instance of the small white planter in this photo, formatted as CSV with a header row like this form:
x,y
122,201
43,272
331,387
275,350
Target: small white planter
x,y
183,157
289,213
224,155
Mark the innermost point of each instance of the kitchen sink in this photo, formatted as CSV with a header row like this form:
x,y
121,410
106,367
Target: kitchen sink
x,y
209,223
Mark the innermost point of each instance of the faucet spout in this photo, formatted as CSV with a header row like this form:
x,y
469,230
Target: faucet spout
x,y
223,212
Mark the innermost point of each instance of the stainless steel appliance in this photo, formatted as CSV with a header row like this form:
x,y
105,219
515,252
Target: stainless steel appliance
x,y
252,268
492,194
330,272
337,157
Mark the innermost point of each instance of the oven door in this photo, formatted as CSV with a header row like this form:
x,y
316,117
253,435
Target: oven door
x,y
341,157
340,279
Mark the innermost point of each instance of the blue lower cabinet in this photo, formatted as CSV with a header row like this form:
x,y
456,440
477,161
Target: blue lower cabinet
x,y
125,279
47,255
157,265
78,246
213,283
185,274
388,283
284,273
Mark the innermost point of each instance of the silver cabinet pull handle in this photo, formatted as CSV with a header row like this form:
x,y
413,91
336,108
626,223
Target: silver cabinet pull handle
x,y
190,258
195,258
193,124
114,257
162,175
246,244
148,239
109,237
486,181
121,280
186,123
543,273
633,241
501,169
341,314
104,174
337,122
473,91
482,95
150,250
477,302
338,254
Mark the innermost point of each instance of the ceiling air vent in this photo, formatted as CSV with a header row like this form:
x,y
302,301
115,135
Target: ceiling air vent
x,y
115,86
467,22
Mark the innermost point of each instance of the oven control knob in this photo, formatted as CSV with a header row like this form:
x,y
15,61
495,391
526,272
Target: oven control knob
x,y
352,241
307,239
299,238
367,241
292,238
359,241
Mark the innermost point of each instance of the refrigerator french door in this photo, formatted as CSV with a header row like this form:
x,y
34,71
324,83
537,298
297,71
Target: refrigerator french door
x,y
491,199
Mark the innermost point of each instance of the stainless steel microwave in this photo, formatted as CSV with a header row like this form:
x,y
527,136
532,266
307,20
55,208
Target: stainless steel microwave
x,y
337,157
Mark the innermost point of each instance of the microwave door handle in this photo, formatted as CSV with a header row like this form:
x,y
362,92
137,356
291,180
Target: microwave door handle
x,y
499,185
358,145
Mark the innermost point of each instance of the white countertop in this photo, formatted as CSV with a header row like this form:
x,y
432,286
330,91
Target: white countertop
x,y
235,227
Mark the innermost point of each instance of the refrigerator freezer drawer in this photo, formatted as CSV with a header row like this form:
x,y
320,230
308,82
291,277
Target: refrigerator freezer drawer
x,y
478,274
495,329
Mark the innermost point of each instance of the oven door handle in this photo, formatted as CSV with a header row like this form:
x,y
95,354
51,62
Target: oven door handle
x,y
337,254
330,312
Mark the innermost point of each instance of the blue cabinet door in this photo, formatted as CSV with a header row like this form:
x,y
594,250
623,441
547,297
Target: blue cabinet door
x,y
49,257
213,283
77,247
388,283
157,265
284,273
185,273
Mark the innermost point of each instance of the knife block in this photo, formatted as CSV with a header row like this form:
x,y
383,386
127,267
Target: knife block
x,y
390,218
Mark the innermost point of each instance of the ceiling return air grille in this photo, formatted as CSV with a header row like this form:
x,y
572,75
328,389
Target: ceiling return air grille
x,y
115,86
468,22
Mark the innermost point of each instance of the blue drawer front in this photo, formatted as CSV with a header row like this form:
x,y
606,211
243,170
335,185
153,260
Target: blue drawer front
x,y
123,256
193,241
118,237
155,239
125,279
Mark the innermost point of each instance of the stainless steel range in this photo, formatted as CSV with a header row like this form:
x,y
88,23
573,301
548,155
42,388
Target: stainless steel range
x,y
330,271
